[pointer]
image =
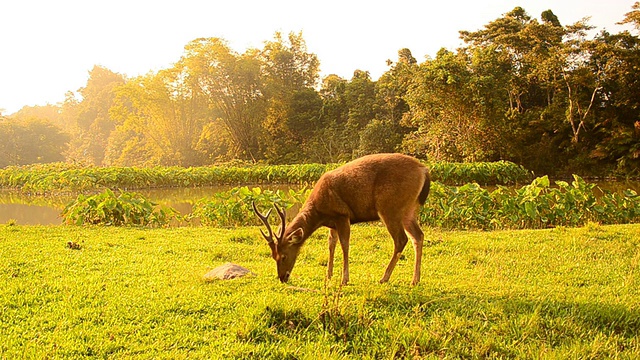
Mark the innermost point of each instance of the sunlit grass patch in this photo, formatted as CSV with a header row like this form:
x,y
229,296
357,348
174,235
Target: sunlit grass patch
x,y
139,293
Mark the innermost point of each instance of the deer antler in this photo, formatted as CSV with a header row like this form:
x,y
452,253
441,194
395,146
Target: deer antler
x,y
264,218
282,220
265,221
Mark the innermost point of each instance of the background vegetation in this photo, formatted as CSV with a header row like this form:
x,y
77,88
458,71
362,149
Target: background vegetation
x,y
62,177
534,206
553,97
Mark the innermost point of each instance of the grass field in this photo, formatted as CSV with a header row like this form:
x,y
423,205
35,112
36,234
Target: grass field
x,y
139,293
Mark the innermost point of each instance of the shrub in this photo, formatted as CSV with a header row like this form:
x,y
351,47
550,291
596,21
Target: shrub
x,y
44,178
233,207
124,209
533,206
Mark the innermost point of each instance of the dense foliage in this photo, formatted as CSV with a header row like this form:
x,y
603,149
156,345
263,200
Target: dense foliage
x,y
66,177
534,206
31,141
107,208
234,207
533,91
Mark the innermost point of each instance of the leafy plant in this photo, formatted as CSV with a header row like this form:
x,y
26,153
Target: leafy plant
x,y
486,173
57,177
107,208
533,206
536,205
234,207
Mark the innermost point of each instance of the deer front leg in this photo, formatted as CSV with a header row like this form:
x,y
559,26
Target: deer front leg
x,y
343,230
333,240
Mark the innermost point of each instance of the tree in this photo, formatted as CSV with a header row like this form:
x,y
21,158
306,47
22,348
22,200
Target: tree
x,y
91,116
234,88
633,17
550,90
51,113
390,105
378,136
360,94
335,109
449,123
290,74
392,87
160,118
31,141
616,59
329,142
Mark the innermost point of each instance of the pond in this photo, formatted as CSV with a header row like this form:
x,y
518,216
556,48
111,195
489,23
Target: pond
x,y
25,209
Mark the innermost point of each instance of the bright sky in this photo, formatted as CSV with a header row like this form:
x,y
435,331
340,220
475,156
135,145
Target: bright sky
x,y
47,47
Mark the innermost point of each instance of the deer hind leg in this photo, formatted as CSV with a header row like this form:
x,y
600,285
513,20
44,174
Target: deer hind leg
x,y
412,227
333,240
399,242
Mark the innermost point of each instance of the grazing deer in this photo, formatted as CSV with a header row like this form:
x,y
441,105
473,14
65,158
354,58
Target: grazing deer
x,y
387,187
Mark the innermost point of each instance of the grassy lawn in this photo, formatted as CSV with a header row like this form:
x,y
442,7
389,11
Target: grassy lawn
x,y
139,293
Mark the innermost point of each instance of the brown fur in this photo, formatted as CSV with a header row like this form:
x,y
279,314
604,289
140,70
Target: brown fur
x,y
387,187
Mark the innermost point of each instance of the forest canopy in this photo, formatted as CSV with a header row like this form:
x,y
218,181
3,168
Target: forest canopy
x,y
550,96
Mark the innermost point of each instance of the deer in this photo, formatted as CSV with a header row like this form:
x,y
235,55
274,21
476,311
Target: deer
x,y
386,187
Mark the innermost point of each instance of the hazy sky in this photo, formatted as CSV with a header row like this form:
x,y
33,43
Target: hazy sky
x,y
47,47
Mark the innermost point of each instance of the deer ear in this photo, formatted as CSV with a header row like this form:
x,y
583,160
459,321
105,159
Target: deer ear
x,y
296,236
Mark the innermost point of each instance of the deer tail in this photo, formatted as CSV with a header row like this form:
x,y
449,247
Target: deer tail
x,y
422,198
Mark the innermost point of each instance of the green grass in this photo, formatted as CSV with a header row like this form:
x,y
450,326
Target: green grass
x,y
139,293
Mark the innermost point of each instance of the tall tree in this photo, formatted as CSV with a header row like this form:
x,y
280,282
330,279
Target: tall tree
x,y
392,86
633,17
385,132
234,88
160,119
550,91
290,72
92,116
360,94
209,105
30,141
616,59
329,143
448,121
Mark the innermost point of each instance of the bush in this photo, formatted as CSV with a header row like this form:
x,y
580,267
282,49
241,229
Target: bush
x,y
233,207
108,209
46,178
533,206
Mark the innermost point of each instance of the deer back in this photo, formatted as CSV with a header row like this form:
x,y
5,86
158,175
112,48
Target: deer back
x,y
364,187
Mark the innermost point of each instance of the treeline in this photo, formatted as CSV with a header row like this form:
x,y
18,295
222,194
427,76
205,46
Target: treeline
x,y
533,91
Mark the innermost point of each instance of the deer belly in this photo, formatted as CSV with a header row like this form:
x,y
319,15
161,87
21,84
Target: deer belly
x,y
364,216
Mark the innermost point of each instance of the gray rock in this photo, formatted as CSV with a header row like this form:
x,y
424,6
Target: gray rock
x,y
227,271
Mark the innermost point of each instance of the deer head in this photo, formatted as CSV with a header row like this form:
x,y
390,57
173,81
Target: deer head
x,y
285,247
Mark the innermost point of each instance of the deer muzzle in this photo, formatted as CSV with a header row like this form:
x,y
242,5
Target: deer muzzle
x,y
285,278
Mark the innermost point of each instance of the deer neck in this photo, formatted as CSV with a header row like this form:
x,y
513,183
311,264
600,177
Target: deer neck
x,y
306,220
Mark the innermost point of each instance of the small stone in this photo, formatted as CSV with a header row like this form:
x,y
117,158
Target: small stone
x,y
227,271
